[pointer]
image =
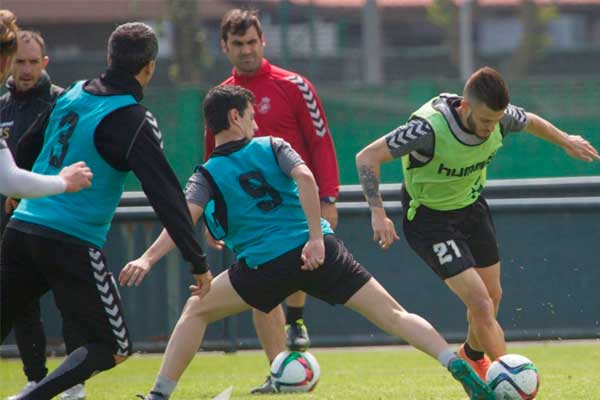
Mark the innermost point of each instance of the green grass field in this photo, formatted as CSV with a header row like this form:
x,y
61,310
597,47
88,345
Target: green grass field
x,y
569,370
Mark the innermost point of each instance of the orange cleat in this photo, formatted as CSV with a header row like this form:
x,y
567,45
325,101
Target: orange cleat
x,y
480,366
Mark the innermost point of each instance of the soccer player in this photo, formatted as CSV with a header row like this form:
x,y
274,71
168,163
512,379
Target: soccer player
x,y
30,93
16,182
260,198
55,243
287,106
445,148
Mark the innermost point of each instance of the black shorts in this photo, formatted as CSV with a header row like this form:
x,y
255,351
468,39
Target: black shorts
x,y
83,288
335,281
452,241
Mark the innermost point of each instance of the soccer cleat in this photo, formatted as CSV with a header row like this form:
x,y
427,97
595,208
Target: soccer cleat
x,y
77,392
266,388
473,385
296,336
28,386
480,366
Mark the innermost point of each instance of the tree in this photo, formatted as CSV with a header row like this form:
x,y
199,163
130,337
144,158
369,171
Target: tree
x,y
189,42
535,19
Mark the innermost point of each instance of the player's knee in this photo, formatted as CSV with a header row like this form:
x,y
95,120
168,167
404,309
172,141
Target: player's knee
x,y
482,308
195,308
496,296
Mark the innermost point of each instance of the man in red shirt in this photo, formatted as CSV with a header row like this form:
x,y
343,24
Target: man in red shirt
x,y
286,106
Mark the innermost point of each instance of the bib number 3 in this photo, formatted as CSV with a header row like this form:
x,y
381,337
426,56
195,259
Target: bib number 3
x,y
66,127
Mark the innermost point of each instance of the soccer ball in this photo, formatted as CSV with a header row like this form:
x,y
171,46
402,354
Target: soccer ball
x,y
293,372
513,377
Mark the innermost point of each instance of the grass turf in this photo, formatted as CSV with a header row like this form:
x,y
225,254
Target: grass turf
x,y
568,370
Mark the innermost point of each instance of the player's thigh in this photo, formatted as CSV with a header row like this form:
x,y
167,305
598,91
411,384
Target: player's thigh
x,y
271,283
374,302
21,284
88,297
470,288
437,241
491,279
481,233
221,301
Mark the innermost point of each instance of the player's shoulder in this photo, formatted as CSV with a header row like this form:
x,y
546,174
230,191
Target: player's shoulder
x,y
228,81
130,113
289,77
515,112
56,91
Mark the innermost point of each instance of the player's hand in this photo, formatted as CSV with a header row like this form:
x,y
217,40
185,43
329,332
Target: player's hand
x,y
581,149
330,213
202,286
77,176
10,205
384,232
211,242
313,254
134,272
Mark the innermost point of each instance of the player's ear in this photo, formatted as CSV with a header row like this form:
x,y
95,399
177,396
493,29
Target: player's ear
x,y
224,48
233,115
464,104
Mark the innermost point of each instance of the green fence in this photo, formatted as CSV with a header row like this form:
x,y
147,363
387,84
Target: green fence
x,y
358,116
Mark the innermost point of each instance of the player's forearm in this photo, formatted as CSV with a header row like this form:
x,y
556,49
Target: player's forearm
x,y
19,183
543,129
309,199
368,175
161,247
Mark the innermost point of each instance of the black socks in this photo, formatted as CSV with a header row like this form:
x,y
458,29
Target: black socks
x,y
293,314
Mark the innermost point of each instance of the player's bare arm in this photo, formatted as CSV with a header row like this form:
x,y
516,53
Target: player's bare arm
x,y
134,271
575,145
370,183
313,253
368,163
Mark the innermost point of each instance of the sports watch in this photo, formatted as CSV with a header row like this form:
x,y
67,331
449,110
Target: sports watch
x,y
328,199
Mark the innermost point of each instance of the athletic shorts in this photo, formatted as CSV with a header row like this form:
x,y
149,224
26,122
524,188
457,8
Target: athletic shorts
x,y
83,288
335,282
451,242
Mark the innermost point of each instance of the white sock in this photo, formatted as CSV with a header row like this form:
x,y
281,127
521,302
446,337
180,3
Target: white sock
x,y
164,385
445,356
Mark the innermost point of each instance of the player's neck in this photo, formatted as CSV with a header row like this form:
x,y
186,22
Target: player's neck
x,y
460,110
246,74
228,135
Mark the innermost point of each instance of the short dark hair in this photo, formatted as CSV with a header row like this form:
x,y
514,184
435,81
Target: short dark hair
x,y
8,33
28,36
132,46
487,85
237,22
220,100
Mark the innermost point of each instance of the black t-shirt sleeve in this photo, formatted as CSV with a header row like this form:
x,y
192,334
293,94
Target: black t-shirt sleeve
x,y
129,139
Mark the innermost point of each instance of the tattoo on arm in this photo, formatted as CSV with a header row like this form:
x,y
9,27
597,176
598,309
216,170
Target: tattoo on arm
x,y
370,185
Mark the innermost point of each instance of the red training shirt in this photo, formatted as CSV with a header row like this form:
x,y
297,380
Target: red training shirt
x,y
286,106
